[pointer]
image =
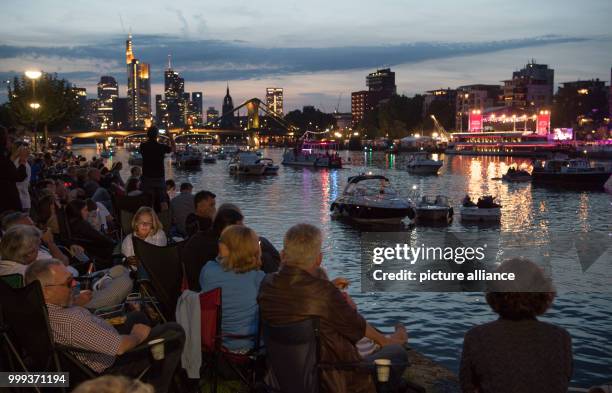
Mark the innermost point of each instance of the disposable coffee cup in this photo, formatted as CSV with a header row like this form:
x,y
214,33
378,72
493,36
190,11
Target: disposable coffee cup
x,y
383,368
157,348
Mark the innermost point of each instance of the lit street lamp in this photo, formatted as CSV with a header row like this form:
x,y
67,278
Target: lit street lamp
x,y
34,105
34,75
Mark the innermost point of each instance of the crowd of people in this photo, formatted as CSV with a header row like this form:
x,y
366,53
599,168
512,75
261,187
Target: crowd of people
x,y
58,219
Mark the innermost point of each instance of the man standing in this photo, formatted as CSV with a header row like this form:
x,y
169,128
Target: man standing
x,y
296,292
153,170
181,206
76,327
202,218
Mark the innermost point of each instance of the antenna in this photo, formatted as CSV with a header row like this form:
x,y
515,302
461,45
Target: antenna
x,y
121,22
169,61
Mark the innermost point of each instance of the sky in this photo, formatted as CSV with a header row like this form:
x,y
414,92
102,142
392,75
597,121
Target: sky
x,y
318,51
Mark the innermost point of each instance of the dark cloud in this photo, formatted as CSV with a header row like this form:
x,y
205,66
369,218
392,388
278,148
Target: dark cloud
x,y
213,60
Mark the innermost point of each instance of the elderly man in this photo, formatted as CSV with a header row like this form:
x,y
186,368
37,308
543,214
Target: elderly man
x,y
76,327
296,293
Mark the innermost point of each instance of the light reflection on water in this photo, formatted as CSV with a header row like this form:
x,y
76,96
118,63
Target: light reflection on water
x,y
436,321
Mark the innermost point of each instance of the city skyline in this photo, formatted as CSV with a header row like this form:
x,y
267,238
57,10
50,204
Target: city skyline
x,y
311,70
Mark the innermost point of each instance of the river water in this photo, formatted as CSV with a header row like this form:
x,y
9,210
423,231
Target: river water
x,y
436,322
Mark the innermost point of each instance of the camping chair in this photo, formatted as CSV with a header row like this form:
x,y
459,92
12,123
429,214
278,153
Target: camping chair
x,y
126,206
245,366
26,332
13,280
165,271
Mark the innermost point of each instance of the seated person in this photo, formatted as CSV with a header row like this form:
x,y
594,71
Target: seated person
x,y
99,216
295,293
146,226
133,187
201,219
74,326
517,353
170,188
113,384
203,246
135,172
236,272
181,206
95,243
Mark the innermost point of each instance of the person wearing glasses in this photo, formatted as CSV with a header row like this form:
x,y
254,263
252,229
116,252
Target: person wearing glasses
x,y
145,226
104,345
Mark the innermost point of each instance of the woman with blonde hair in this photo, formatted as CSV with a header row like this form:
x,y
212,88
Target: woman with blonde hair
x,y
237,272
145,226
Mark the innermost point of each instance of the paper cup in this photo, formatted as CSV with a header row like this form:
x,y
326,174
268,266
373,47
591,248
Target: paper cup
x,y
157,348
383,368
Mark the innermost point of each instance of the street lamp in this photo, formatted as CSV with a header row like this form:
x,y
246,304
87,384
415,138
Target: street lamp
x,y
34,75
34,105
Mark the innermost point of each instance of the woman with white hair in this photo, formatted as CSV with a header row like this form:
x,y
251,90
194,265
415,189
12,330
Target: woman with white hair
x,y
18,248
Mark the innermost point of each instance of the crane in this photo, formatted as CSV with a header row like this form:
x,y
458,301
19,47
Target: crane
x,y
444,135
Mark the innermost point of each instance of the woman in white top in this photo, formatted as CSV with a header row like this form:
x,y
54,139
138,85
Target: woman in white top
x,y
145,226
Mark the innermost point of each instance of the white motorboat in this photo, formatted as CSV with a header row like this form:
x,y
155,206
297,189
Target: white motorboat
x,y
314,154
485,210
271,168
247,163
436,209
372,199
422,164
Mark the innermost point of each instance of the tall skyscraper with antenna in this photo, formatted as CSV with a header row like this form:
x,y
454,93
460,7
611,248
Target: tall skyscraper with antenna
x,y
138,88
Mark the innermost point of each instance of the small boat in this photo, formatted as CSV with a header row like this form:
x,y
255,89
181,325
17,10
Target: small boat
x,y
422,164
485,210
313,153
434,210
372,199
516,176
271,168
135,158
221,155
574,173
246,163
209,159
189,158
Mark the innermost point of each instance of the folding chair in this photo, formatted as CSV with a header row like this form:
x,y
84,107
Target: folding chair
x,y
126,206
165,271
245,366
13,280
26,332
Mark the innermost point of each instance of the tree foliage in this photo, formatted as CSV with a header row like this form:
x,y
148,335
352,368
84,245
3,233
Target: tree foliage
x,y
310,118
58,102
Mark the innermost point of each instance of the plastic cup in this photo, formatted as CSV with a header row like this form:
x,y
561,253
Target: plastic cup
x,y
383,369
157,348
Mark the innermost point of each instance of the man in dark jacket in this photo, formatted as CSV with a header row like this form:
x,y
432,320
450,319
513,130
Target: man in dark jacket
x,y
296,293
153,170
9,174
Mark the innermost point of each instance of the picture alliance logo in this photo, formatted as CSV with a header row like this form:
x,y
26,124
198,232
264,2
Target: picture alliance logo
x,y
406,253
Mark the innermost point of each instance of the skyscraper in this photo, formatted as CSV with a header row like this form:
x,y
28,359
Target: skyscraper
x,y
228,121
174,88
211,114
196,107
274,100
108,91
139,88
360,105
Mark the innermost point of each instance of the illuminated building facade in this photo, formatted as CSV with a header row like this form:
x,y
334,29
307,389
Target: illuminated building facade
x,y
476,97
360,105
447,96
108,91
274,100
211,114
138,89
196,109
381,86
530,88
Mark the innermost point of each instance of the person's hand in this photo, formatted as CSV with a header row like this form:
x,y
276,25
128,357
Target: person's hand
x,y
341,283
47,237
400,336
75,249
83,298
133,262
141,331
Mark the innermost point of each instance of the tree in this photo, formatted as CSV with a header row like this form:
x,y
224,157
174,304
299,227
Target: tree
x,y
310,119
444,111
399,115
58,104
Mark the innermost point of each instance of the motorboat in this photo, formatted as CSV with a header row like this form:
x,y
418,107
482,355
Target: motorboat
x,y
372,199
107,153
485,210
313,153
516,176
221,155
436,209
422,164
188,158
271,168
246,163
209,159
135,158
574,173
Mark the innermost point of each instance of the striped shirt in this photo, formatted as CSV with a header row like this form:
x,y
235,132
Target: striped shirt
x,y
77,327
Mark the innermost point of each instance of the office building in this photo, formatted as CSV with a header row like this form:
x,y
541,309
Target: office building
x,y
197,101
274,100
381,86
530,88
138,88
360,105
108,91
211,114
